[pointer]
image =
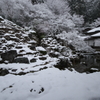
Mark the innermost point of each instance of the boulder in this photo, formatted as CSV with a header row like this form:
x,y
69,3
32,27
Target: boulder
x,y
1,61
42,58
54,54
63,64
18,35
14,39
3,40
32,47
19,47
31,36
33,60
3,72
26,38
21,60
4,48
65,51
7,37
9,55
41,50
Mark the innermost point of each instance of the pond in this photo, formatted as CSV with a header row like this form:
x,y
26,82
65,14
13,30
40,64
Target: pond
x,y
88,63
85,63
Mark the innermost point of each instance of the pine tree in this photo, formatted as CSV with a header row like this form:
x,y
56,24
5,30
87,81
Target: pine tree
x,y
77,6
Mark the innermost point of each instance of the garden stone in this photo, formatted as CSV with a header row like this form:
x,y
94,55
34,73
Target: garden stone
x,y
3,72
21,60
42,58
9,55
33,60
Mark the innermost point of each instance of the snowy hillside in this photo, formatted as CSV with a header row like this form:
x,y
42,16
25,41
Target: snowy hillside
x,y
27,71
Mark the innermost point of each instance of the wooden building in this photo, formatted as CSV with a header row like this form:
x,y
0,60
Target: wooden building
x,y
94,38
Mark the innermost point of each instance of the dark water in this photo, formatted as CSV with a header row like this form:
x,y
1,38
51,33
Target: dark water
x,y
88,63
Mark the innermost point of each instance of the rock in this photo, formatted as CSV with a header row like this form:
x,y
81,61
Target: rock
x,y
0,51
20,55
4,48
33,42
6,62
26,38
75,60
21,60
65,52
42,58
19,35
9,55
43,68
14,70
14,39
19,47
3,72
41,50
7,37
63,63
21,51
9,46
29,53
53,54
33,60
32,47
3,40
1,62
31,36
0,43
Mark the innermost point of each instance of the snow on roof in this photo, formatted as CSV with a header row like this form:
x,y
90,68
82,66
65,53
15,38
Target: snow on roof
x,y
94,30
96,35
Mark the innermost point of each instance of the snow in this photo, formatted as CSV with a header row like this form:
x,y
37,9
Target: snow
x,y
40,48
1,18
93,30
32,41
32,31
96,35
57,85
42,81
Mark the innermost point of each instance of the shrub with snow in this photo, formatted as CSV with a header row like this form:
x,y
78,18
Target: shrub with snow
x,y
75,42
50,17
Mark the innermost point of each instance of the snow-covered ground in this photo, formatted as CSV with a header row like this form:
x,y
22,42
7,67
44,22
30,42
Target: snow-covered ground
x,y
50,84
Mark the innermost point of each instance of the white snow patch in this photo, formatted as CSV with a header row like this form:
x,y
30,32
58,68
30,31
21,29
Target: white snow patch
x,y
93,30
32,31
57,85
96,35
40,49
